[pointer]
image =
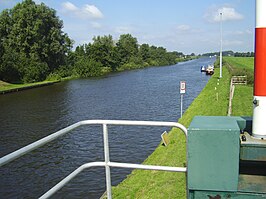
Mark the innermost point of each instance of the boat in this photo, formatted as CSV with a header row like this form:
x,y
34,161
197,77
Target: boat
x,y
203,69
210,70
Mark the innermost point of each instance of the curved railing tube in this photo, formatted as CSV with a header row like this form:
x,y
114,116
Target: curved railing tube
x,y
107,164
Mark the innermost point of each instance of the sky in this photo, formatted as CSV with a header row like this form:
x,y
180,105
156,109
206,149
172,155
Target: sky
x,y
190,26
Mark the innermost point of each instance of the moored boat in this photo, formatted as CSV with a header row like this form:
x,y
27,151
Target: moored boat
x,y
210,70
203,69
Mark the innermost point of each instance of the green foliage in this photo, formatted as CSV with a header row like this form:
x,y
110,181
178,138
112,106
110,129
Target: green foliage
x,y
33,32
244,54
103,51
127,47
86,67
243,96
33,47
126,54
10,67
53,77
34,71
239,66
144,51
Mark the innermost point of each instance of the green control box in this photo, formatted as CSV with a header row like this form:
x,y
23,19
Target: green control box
x,y
222,159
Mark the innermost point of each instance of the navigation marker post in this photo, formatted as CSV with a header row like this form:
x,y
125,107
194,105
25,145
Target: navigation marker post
x,y
182,91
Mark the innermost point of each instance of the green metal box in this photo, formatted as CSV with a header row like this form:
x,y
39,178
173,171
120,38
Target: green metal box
x,y
213,153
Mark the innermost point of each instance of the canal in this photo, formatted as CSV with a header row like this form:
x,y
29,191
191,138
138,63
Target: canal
x,y
146,94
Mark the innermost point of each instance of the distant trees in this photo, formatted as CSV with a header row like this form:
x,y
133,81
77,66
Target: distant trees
x,y
124,54
33,48
231,53
32,42
244,54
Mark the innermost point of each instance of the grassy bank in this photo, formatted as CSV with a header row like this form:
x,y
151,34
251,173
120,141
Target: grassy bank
x,y
157,184
241,62
243,96
7,87
54,78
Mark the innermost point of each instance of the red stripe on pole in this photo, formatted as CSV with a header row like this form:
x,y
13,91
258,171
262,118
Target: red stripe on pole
x,y
260,63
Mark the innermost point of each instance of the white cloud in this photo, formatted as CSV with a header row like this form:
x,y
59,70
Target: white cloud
x,y
93,11
84,12
69,6
228,14
183,28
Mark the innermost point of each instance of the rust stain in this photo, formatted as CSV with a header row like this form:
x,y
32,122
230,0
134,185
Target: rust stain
x,y
214,197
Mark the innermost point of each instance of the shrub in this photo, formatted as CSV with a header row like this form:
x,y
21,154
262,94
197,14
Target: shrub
x,y
86,67
35,72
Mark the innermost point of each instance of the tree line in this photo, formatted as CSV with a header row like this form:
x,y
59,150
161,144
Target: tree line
x,y
231,53
33,48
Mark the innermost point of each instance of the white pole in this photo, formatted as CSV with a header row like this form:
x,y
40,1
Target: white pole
x,y
221,45
181,106
259,111
107,160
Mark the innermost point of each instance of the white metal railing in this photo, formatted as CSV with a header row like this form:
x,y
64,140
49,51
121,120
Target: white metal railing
x,y
107,164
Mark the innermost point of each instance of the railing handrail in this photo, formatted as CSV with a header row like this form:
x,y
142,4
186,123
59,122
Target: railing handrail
x,y
20,152
63,182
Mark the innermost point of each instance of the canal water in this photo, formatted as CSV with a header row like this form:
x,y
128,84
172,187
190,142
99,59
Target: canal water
x,y
26,116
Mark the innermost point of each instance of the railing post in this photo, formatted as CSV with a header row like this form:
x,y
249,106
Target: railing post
x,y
107,160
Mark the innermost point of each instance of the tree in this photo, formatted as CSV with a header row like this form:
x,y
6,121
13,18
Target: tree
x,y
127,47
33,32
144,51
103,51
86,67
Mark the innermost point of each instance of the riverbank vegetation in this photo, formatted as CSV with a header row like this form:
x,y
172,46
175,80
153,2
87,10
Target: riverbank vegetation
x,y
212,101
242,102
34,48
230,53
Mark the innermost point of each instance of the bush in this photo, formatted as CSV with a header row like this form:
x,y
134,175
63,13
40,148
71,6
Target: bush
x,y
243,72
53,77
86,67
9,68
35,72
234,71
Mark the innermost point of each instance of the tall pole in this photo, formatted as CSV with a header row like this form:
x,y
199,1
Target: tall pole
x,y
181,106
259,110
221,47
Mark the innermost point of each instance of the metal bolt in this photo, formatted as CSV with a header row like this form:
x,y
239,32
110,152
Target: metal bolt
x,y
243,138
256,102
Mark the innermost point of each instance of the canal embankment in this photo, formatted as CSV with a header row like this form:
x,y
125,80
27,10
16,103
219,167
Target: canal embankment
x,y
11,88
212,101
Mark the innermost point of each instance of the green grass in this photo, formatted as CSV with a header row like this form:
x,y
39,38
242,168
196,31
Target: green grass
x,y
242,102
7,86
243,96
157,184
241,62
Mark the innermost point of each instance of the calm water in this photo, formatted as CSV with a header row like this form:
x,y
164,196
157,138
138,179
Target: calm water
x,y
147,94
